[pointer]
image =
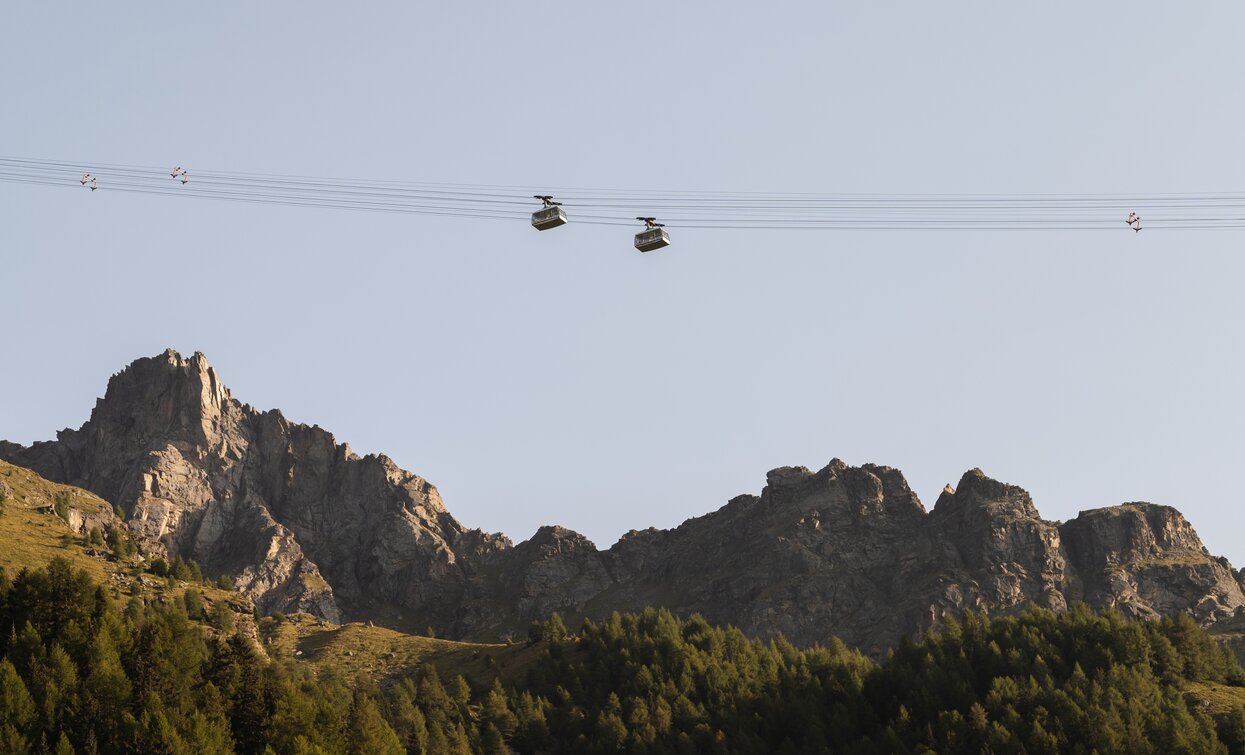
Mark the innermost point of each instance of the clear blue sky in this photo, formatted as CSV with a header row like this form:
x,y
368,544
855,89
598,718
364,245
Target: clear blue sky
x,y
564,378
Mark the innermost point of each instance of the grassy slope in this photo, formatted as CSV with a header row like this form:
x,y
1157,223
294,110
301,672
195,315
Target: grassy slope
x,y
1217,699
353,649
30,536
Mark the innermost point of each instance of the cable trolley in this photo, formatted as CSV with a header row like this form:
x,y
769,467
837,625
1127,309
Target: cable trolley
x,y
550,216
653,236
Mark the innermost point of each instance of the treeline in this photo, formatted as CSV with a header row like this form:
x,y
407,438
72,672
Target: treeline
x,y
1035,683
80,673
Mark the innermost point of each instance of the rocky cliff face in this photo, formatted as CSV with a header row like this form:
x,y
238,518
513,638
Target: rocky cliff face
x,y
297,519
302,523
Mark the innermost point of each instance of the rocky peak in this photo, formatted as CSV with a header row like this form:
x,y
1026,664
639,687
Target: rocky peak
x,y
977,494
897,497
558,539
298,520
166,395
997,532
860,491
1146,560
1130,533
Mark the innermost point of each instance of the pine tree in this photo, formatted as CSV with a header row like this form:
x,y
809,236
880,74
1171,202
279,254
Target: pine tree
x,y
368,732
1231,730
209,726
119,542
496,711
54,686
12,741
249,714
437,740
460,693
106,689
555,628
60,505
492,742
17,707
407,719
157,734
611,732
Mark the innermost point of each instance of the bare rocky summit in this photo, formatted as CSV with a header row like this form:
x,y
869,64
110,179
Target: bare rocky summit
x,y
302,523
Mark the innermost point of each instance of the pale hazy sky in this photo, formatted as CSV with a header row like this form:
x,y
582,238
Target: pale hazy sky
x,y
564,378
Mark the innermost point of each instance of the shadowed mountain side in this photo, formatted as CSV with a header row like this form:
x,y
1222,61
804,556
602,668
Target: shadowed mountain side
x,y
302,523
850,552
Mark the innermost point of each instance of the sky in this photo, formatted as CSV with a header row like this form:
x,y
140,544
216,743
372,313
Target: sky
x,y
562,377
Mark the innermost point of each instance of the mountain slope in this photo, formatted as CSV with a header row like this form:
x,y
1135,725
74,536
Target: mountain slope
x,y
302,523
41,520
33,533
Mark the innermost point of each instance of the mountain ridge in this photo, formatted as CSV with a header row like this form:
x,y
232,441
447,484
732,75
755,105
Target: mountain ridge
x,y
301,522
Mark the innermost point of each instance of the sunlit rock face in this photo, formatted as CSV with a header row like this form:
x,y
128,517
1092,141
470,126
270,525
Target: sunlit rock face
x,y
298,520
302,523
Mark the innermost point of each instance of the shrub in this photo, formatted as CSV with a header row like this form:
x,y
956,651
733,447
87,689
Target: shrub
x,y
193,600
222,617
119,542
60,505
186,571
553,630
159,567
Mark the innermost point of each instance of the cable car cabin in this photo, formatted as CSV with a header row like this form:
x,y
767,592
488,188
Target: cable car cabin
x,y
548,217
652,239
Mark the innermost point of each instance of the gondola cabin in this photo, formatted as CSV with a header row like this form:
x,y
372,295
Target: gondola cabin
x,y
652,239
548,217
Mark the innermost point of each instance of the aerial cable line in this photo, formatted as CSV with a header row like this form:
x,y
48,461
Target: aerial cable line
x,y
631,196
352,197
682,209
709,200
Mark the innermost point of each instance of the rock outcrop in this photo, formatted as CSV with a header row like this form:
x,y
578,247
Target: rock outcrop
x,y
302,523
298,520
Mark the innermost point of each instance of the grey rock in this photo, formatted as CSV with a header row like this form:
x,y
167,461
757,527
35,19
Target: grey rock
x,y
302,523
299,521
